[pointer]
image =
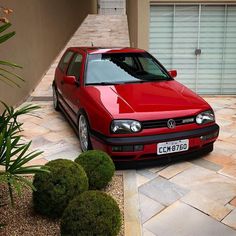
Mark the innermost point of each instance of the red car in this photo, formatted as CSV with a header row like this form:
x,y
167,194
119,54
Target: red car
x,y
124,102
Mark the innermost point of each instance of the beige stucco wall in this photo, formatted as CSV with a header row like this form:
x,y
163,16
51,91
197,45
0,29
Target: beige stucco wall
x,y
132,15
138,18
42,28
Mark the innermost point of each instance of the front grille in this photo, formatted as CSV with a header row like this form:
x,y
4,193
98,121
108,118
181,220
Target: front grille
x,y
163,123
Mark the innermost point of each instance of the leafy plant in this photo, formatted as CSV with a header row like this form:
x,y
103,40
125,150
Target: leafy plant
x,y
6,75
91,213
55,189
14,153
98,166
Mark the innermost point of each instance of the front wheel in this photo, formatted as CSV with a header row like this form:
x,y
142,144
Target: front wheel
x,y
84,138
55,99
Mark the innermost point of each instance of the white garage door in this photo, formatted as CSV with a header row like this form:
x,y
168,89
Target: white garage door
x,y
199,41
111,7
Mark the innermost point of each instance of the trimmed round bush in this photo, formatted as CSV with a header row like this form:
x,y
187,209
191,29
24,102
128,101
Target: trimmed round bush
x,y
91,213
98,166
55,189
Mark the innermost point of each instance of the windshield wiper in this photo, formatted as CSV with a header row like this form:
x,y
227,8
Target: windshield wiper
x,y
160,78
104,83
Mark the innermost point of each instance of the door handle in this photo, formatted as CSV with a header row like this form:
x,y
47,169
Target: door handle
x,y
198,51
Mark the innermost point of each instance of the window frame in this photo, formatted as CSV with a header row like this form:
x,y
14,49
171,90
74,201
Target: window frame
x,y
64,66
75,54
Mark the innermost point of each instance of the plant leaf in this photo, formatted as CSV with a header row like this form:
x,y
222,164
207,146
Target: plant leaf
x,y
7,63
11,73
26,159
7,36
9,79
4,27
30,170
26,182
8,152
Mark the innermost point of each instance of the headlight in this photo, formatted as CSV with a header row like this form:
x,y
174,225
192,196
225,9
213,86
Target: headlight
x,y
125,126
205,117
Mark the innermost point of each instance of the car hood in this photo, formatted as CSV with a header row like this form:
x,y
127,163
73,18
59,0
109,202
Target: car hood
x,y
150,100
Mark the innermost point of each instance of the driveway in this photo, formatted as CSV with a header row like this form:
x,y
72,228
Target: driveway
x,y
195,197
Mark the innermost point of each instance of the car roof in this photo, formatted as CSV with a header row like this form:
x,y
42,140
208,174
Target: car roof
x,y
96,50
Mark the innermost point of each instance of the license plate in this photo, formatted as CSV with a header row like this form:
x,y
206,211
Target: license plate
x,y
172,146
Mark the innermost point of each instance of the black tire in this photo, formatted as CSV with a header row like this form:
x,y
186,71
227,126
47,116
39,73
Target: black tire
x,y
55,99
83,132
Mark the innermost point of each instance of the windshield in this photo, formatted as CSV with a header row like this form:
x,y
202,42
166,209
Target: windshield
x,y
118,68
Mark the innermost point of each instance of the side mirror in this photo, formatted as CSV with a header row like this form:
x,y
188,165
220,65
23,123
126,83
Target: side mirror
x,y
172,73
69,80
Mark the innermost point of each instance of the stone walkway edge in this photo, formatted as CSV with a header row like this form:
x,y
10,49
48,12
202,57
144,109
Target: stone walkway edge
x,y
131,204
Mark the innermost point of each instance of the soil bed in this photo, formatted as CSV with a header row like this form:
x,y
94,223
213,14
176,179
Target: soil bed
x,y
23,221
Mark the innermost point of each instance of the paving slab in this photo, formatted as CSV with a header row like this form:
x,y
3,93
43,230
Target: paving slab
x,y
231,139
230,219
208,183
131,205
157,169
148,207
206,205
39,141
174,169
141,180
233,202
192,176
206,164
146,173
162,191
229,206
147,232
225,148
180,219
226,111
229,170
219,159
39,161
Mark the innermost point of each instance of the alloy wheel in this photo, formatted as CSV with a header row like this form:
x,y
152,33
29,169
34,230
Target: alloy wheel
x,y
83,133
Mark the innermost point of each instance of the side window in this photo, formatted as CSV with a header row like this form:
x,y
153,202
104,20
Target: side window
x,y
75,66
130,62
65,60
151,67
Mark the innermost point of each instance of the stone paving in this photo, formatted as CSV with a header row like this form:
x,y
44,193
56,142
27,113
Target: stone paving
x,y
195,197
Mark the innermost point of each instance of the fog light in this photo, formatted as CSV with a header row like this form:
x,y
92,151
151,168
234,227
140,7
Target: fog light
x,y
125,148
117,148
209,136
129,148
138,148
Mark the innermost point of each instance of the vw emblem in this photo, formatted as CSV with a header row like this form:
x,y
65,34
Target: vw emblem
x,y
171,124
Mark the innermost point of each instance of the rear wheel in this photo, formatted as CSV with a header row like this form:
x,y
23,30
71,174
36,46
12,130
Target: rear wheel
x,y
84,138
55,99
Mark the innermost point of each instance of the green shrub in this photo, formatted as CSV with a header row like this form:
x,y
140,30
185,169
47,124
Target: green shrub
x,y
98,166
91,213
15,154
55,189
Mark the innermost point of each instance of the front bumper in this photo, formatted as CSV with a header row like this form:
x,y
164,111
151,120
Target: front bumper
x,y
198,139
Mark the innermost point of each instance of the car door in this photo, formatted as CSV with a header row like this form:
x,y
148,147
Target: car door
x,y
72,91
61,72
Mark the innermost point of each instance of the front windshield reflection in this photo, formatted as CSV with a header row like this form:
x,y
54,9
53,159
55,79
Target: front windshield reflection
x,y
123,68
